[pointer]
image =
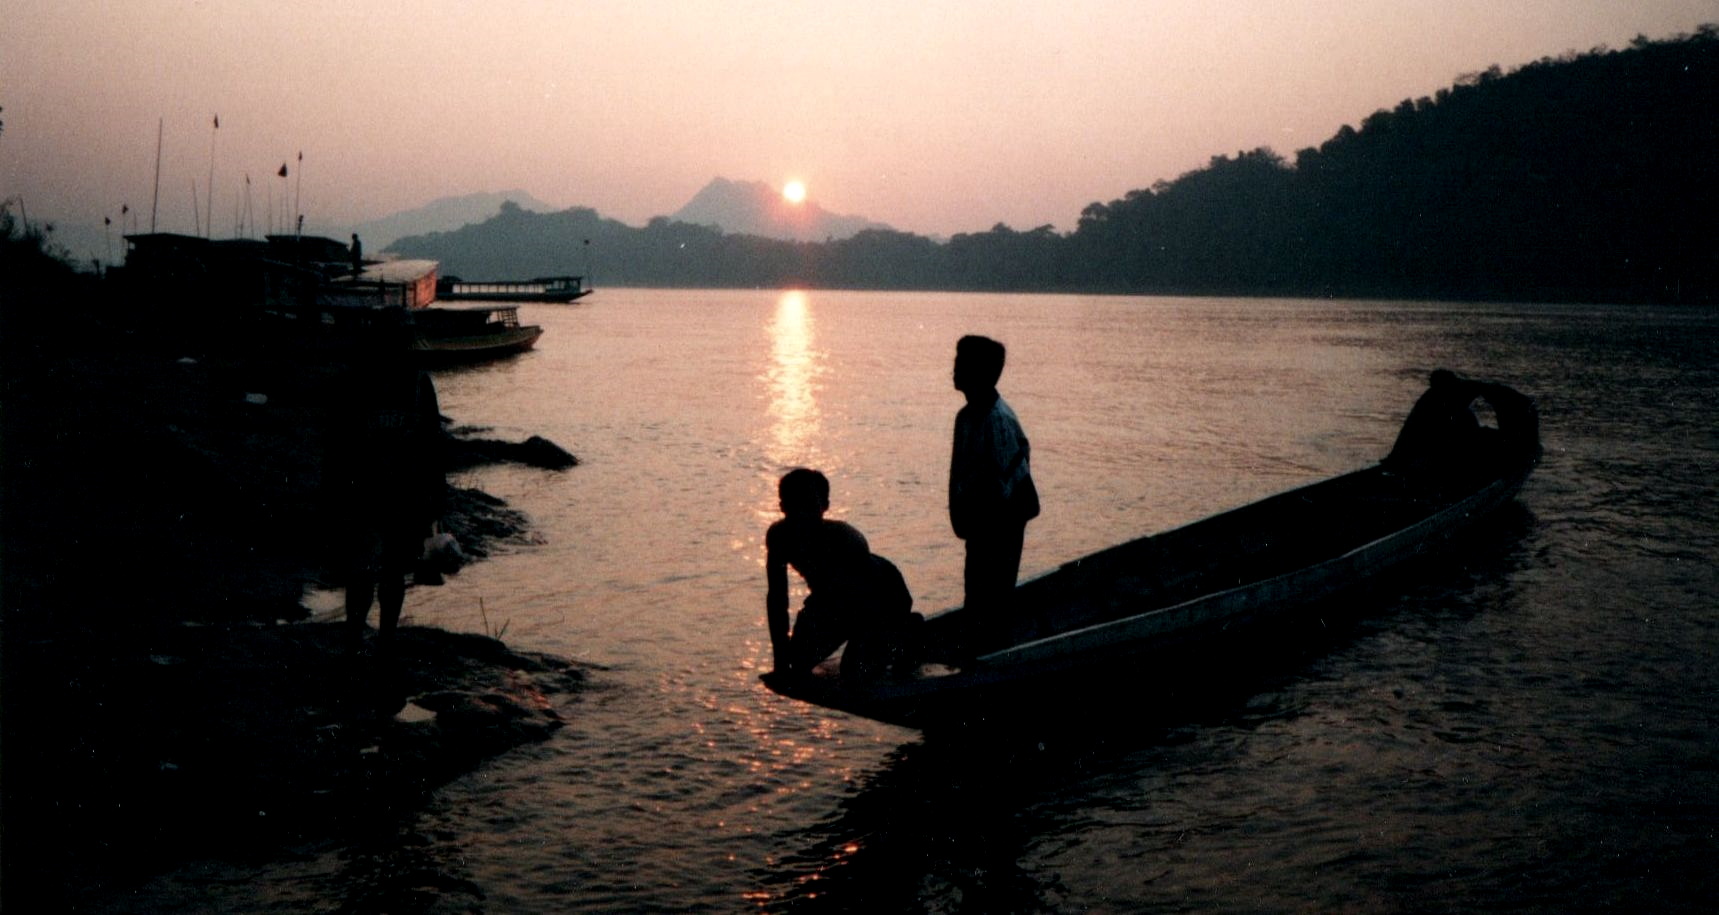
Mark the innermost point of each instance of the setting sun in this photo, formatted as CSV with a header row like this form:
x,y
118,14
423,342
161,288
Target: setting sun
x,y
794,192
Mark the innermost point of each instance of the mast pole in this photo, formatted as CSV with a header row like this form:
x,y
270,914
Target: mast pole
x,y
209,205
298,185
156,203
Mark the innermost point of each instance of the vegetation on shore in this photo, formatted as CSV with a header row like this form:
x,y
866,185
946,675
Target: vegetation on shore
x,y
1583,178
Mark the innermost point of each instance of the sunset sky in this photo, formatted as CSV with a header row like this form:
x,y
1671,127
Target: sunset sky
x,y
935,117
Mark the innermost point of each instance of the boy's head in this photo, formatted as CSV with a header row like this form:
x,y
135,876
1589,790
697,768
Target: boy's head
x,y
803,493
978,363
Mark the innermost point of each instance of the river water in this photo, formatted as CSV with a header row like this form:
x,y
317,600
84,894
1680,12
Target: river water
x,y
1528,725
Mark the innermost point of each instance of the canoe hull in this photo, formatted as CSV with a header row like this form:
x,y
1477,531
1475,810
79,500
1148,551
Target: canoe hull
x,y
1123,648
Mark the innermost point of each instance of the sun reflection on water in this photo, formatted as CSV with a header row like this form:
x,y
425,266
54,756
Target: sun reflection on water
x,y
792,381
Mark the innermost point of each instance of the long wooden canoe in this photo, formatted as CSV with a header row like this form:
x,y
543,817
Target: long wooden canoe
x,y
1135,605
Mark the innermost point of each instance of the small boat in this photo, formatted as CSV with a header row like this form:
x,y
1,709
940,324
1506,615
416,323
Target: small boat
x,y
1112,627
447,336
541,289
443,336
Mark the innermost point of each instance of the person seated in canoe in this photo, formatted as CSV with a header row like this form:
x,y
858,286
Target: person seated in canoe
x,y
856,596
1442,439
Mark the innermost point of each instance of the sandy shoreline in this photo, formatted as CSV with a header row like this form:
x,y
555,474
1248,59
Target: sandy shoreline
x,y
163,695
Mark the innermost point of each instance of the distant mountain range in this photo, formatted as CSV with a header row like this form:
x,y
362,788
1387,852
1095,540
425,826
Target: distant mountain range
x,y
732,207
441,215
756,208
1582,178
510,234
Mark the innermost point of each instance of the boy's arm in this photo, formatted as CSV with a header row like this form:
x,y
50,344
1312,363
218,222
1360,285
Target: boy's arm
x,y
776,603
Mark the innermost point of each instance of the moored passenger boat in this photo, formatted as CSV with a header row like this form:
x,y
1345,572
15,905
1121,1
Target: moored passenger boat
x,y
554,289
323,281
446,336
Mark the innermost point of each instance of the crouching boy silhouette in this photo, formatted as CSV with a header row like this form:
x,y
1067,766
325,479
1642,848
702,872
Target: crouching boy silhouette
x,y
855,596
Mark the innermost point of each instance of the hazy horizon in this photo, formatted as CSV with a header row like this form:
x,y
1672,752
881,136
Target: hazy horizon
x,y
935,118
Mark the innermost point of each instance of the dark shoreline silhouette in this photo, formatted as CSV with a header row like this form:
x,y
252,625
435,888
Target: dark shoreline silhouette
x,y
163,515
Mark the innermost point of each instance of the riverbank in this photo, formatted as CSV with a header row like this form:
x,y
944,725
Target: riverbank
x,y
181,741
164,694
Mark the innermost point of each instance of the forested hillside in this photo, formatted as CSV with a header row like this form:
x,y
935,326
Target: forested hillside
x,y
1591,177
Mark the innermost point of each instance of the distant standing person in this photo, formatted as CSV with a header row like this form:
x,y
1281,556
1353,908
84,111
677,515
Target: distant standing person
x,y
991,491
357,252
386,471
856,596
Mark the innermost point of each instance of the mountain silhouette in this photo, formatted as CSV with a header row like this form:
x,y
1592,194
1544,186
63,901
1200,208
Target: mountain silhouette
x,y
440,215
756,208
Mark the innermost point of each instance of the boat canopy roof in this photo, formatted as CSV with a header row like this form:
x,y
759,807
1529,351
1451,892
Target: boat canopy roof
x,y
398,271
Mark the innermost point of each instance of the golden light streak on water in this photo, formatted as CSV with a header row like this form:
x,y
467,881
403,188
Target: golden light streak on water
x,y
793,380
